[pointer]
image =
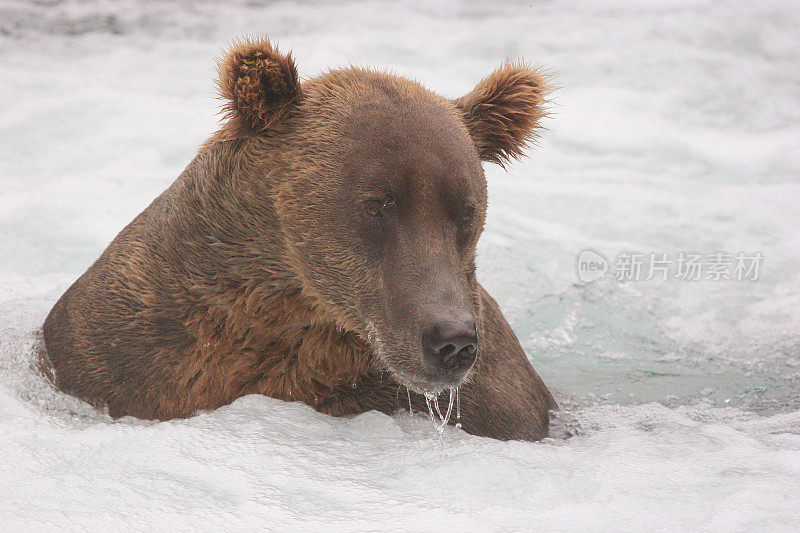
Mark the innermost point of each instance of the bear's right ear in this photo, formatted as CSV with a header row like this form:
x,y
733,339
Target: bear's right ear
x,y
259,84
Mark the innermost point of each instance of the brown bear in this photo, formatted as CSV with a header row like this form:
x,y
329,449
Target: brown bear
x,y
319,248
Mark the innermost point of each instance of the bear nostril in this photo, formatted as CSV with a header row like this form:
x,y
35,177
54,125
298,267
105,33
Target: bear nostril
x,y
447,350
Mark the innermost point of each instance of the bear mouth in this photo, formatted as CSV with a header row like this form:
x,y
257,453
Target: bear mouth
x,y
427,385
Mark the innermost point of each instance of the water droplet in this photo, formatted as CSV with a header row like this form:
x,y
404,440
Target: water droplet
x,y
432,401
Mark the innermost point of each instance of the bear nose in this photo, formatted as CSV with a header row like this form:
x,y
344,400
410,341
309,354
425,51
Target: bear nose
x,y
449,347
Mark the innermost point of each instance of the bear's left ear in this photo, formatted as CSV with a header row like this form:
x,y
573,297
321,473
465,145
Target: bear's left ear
x,y
259,84
503,111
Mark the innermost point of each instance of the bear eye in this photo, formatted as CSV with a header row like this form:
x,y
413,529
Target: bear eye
x,y
375,207
467,216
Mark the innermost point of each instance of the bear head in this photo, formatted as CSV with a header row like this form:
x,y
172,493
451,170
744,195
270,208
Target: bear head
x,y
380,195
